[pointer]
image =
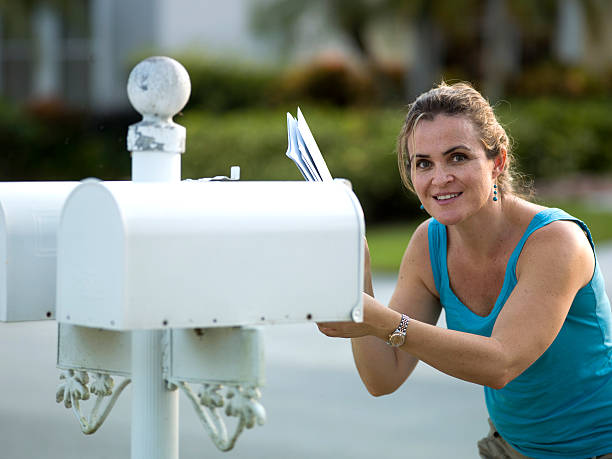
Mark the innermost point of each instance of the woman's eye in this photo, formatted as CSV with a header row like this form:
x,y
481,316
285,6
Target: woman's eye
x,y
422,164
458,157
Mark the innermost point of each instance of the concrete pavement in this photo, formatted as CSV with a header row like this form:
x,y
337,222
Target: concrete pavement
x,y
316,404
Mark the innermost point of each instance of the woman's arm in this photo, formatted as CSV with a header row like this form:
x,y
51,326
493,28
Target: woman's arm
x,y
556,262
381,367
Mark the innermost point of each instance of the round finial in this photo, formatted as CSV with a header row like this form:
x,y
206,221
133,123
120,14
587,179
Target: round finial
x,y
158,87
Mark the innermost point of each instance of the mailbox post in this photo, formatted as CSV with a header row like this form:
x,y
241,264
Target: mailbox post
x,y
158,88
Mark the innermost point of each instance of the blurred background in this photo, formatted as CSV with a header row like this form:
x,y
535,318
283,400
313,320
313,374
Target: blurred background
x,y
352,66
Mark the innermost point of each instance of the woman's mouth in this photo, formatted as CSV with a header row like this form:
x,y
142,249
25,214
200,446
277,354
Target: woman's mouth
x,y
442,198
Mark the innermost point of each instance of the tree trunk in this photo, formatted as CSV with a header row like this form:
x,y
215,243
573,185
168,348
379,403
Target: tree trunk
x,y
500,49
425,70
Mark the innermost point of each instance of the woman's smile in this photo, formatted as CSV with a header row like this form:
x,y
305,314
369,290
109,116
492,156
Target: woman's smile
x,y
446,198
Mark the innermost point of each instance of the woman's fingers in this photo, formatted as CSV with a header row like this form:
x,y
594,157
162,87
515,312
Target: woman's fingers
x,y
326,329
341,329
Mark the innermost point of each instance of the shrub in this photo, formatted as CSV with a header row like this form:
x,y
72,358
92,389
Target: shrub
x,y
550,78
225,85
330,81
357,144
228,85
552,138
50,142
555,137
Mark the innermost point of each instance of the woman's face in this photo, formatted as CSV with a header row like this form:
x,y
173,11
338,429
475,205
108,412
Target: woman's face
x,y
450,172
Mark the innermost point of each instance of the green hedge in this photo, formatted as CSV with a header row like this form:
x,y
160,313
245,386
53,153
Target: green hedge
x,y
223,86
358,145
553,137
49,142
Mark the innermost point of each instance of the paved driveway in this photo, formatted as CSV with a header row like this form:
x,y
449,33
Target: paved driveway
x,y
316,405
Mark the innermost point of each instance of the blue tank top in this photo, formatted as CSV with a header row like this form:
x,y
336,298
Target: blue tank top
x,y
561,406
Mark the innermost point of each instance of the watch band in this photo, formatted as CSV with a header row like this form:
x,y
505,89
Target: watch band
x,y
398,337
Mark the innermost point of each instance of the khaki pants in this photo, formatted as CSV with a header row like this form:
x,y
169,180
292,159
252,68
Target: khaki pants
x,y
493,446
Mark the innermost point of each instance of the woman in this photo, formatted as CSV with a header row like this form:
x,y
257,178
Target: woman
x,y
527,313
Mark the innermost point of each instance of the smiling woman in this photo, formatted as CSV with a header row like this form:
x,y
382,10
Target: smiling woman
x,y
462,99
527,313
449,167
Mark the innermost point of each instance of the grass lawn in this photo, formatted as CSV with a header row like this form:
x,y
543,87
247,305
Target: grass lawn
x,y
387,242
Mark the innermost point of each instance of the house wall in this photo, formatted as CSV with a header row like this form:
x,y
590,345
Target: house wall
x,y
211,27
122,31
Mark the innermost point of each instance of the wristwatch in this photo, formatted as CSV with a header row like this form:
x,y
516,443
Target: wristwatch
x,y
398,337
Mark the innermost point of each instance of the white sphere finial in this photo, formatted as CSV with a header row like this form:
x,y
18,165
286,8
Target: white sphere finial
x,y
158,88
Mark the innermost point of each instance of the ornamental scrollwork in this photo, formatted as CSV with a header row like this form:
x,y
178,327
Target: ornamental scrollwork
x,y
74,387
239,402
243,403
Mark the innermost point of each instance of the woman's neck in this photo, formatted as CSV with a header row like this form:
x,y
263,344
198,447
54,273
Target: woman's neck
x,y
483,234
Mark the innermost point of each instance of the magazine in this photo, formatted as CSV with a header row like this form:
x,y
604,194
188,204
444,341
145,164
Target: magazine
x,y
303,150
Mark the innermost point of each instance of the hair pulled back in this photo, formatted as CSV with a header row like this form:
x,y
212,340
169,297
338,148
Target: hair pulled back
x,y
461,99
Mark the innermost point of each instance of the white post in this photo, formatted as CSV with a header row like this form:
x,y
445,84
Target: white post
x,y
158,88
571,32
48,52
104,74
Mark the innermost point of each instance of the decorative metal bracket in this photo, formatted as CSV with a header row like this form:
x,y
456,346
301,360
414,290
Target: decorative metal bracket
x,y
74,388
241,402
229,388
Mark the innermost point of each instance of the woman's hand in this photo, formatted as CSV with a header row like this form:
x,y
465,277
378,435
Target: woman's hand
x,y
354,329
381,368
344,329
378,320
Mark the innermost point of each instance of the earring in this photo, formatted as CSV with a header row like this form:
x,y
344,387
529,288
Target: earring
x,y
422,208
494,192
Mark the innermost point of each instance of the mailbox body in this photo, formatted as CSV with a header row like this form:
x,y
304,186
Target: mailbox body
x,y
192,254
29,217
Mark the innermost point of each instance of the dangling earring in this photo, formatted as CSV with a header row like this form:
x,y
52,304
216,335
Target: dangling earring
x,y
494,192
422,208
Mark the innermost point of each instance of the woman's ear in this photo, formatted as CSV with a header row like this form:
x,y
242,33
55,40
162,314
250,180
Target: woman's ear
x,y
499,163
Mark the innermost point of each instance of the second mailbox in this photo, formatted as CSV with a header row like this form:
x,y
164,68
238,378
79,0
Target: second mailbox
x,y
205,254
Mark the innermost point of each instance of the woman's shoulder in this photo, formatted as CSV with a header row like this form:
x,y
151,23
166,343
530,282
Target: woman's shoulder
x,y
560,233
420,238
416,262
548,222
557,238
521,211
417,251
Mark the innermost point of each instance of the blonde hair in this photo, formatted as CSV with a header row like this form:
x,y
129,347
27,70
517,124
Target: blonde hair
x,y
461,99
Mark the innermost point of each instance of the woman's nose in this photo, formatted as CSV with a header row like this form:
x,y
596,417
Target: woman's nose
x,y
441,177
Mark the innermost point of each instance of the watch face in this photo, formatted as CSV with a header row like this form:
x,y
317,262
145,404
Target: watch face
x,y
396,339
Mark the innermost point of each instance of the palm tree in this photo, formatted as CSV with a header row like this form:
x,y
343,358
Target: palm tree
x,y
488,40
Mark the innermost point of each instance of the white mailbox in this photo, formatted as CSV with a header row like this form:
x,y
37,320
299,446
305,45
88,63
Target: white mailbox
x,y
191,254
29,217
